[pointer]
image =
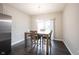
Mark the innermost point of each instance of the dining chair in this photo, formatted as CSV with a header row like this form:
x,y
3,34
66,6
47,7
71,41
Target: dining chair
x,y
27,39
49,39
34,39
50,34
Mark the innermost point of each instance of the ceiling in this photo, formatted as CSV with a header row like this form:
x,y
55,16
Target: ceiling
x,y
38,8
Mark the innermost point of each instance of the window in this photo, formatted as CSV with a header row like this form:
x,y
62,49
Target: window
x,y
44,25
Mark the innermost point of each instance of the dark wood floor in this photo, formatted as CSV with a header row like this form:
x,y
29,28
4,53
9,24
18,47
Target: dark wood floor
x,y
57,48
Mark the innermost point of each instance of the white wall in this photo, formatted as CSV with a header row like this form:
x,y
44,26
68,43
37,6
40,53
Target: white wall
x,y
71,27
20,23
58,22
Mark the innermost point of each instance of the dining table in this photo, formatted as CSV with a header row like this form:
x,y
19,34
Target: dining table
x,y
41,34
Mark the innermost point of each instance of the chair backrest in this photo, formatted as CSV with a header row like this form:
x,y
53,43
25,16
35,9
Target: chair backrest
x,y
33,34
50,33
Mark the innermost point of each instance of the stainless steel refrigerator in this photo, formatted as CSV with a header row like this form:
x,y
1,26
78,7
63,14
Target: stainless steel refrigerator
x,y
5,34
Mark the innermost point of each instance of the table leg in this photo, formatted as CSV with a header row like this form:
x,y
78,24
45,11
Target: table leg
x,y
47,45
40,44
25,41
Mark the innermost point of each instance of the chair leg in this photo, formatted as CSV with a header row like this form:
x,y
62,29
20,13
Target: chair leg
x,y
42,44
37,46
50,46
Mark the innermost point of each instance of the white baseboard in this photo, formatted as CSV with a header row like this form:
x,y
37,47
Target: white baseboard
x,y
68,47
16,42
65,45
